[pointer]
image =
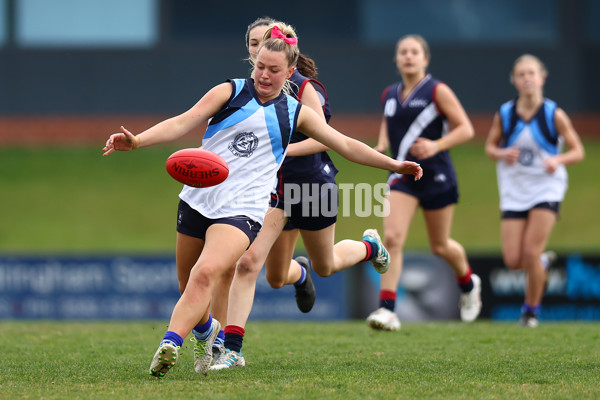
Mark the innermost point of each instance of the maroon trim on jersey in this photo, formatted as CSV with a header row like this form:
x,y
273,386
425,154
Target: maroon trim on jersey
x,y
320,84
301,90
312,81
384,95
279,189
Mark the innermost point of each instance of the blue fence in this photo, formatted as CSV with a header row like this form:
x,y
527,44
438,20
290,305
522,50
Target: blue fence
x,y
134,287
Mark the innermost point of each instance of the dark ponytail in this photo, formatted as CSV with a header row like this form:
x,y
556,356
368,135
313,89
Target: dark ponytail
x,y
307,67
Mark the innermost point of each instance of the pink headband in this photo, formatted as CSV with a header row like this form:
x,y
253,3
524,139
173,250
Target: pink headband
x,y
276,33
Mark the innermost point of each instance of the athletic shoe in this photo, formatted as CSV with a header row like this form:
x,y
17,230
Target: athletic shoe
x,y
529,320
229,359
383,319
164,359
551,257
305,292
217,349
381,262
470,303
203,349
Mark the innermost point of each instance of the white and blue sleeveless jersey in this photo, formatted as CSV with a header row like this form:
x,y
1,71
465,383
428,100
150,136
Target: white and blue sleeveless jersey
x,y
252,137
526,183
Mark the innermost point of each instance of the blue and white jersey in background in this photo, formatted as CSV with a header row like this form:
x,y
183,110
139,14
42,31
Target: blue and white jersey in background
x,y
252,137
526,183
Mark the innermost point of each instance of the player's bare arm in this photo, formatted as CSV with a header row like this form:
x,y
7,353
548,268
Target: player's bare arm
x,y
352,149
510,155
575,151
172,128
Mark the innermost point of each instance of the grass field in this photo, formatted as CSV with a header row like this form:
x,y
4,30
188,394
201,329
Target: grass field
x,y
298,360
73,200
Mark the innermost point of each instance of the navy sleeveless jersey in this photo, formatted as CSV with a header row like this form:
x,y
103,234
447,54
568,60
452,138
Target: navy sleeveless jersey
x,y
317,168
418,116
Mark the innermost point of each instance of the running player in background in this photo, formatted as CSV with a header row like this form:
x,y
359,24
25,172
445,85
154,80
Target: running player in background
x,y
526,141
422,120
250,123
276,242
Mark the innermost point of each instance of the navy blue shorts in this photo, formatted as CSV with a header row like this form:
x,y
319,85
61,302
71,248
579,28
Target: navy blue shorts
x,y
312,208
428,201
546,205
190,222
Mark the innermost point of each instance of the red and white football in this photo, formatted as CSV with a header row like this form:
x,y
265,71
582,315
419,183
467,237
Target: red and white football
x,y
197,167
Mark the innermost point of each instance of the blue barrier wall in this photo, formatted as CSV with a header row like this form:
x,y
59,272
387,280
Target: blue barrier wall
x,y
146,288
573,291
133,288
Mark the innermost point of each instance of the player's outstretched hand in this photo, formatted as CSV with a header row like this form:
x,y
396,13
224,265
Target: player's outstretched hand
x,y
122,141
409,168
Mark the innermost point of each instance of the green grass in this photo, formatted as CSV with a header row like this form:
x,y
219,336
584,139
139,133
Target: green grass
x,y
298,360
73,200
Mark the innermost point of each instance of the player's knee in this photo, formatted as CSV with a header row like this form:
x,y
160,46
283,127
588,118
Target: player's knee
x,y
512,262
249,263
204,276
323,270
228,274
275,281
439,249
530,259
393,240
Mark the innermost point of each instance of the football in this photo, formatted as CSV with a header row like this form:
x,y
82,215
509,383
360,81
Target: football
x,y
197,167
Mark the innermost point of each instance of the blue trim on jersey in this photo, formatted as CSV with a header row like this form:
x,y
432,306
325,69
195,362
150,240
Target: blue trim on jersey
x,y
281,115
237,117
540,139
286,114
237,114
550,109
239,85
519,126
275,132
542,125
506,114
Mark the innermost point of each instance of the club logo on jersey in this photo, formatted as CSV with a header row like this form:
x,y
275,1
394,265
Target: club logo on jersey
x,y
244,144
526,156
417,103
